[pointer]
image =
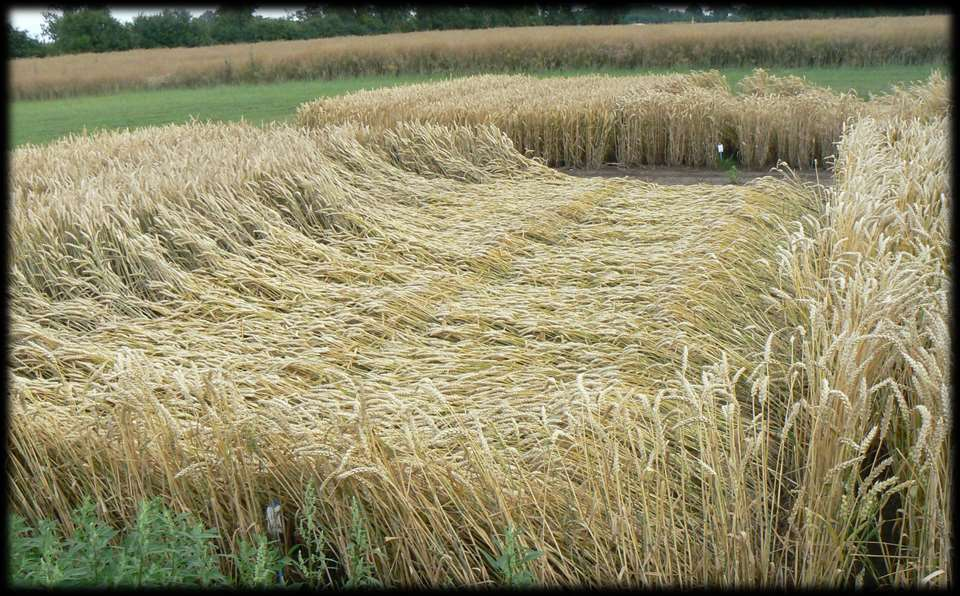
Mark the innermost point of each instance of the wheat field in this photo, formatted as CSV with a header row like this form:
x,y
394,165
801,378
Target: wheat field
x,y
673,119
803,43
655,385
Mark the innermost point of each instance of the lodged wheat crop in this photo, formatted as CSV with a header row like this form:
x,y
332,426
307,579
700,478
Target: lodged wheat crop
x,y
738,385
656,119
220,314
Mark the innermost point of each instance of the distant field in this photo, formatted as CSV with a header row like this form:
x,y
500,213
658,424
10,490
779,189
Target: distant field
x,y
45,120
804,43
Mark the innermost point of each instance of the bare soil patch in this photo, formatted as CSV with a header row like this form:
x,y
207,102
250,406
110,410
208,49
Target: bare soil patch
x,y
680,175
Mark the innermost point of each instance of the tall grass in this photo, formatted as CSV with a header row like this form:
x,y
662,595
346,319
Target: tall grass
x,y
442,356
832,42
675,120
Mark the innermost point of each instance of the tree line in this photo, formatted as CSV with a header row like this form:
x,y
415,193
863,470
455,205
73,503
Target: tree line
x,y
92,28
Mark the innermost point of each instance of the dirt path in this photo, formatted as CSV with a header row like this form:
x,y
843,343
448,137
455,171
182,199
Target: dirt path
x,y
679,175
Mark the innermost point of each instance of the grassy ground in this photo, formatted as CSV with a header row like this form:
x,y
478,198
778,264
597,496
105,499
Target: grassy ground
x,y
43,121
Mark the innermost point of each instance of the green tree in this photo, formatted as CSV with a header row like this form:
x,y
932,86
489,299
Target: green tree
x,y
652,14
370,20
21,45
599,16
429,17
339,20
269,29
560,14
170,29
86,30
695,11
309,11
323,25
397,18
233,25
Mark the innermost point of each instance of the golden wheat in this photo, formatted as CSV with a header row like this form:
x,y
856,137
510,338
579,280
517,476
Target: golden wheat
x,y
643,120
203,307
739,385
853,42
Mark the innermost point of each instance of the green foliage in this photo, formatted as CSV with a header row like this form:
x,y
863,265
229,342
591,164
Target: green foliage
x,y
21,45
729,165
654,14
311,563
316,26
259,564
694,11
162,548
34,553
733,175
771,12
162,541
232,25
169,29
86,31
265,29
512,563
359,551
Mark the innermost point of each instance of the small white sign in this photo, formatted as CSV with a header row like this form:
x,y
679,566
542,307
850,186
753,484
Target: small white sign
x,y
720,147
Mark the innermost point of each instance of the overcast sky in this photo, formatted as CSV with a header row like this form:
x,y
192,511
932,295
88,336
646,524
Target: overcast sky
x,y
31,19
